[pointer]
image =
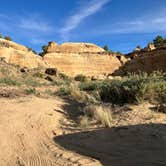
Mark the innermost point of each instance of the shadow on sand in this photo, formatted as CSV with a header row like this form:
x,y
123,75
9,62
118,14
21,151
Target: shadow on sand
x,y
138,145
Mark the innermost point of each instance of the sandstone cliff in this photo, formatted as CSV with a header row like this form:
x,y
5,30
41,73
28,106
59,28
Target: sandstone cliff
x,y
73,48
14,53
70,58
146,61
80,58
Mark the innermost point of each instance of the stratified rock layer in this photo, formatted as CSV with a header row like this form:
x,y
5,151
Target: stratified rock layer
x,y
19,55
70,58
73,48
145,61
80,58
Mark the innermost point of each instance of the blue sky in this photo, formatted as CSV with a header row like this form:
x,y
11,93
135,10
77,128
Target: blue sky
x,y
120,24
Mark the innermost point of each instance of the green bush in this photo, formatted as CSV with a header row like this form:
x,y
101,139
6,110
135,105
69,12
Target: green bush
x,y
63,76
38,75
30,91
88,86
80,78
100,113
158,41
135,88
64,91
11,81
30,81
8,38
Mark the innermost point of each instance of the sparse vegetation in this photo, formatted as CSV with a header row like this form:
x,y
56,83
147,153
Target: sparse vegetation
x,y
84,122
8,38
81,78
38,75
30,49
99,113
49,92
44,50
30,91
159,41
64,91
11,81
135,88
88,86
106,48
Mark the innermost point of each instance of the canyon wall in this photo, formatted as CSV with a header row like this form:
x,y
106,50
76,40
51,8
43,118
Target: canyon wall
x,y
145,61
69,58
81,58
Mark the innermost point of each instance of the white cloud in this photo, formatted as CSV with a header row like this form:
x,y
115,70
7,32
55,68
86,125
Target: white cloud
x,y
154,23
144,25
84,11
32,29
36,24
37,41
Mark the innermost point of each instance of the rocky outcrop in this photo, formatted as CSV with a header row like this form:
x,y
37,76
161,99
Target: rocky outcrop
x,y
80,58
70,58
17,54
73,48
146,61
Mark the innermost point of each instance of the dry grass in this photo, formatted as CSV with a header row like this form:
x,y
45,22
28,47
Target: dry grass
x,y
84,122
100,113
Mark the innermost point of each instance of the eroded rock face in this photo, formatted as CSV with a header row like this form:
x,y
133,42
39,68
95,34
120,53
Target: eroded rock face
x,y
73,48
70,58
19,55
80,58
145,61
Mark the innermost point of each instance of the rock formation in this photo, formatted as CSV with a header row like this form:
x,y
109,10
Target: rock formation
x,y
150,47
146,61
17,54
73,48
80,58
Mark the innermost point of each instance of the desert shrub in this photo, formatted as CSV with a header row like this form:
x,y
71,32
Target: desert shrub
x,y
49,92
11,81
30,91
80,78
84,122
63,76
99,113
88,86
8,38
135,88
57,82
106,48
38,75
64,91
158,41
5,71
30,81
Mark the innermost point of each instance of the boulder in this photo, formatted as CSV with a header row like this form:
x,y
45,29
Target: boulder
x,y
150,47
49,78
24,70
51,71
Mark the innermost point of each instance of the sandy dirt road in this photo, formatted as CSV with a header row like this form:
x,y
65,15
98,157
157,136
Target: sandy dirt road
x,y
27,128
